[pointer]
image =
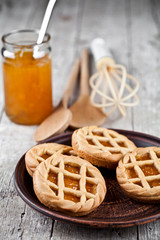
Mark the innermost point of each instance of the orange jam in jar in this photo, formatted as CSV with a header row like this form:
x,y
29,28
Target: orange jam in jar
x,y
27,77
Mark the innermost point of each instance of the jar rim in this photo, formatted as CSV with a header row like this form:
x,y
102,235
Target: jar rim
x,y
36,31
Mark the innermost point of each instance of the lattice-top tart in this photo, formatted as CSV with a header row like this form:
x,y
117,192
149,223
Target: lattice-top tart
x,y
41,152
138,174
101,146
69,184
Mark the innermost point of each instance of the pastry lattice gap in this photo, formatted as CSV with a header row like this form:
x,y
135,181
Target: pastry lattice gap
x,y
144,170
107,141
72,182
46,154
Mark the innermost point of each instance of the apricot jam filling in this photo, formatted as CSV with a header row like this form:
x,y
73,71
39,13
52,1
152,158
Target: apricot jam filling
x,y
131,173
115,152
154,183
71,197
45,156
139,184
122,144
55,191
88,174
72,169
91,188
149,170
157,154
67,153
90,141
71,183
112,136
106,143
52,177
145,156
98,134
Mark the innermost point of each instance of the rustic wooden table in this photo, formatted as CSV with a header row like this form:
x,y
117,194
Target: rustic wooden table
x,y
132,31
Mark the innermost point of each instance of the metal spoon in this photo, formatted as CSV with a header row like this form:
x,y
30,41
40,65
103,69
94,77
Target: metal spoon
x,y
42,32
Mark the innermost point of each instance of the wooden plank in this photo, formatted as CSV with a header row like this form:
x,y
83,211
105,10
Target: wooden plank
x,y
63,231
9,201
146,68
19,221
150,231
144,55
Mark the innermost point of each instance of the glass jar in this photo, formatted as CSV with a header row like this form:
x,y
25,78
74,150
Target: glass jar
x,y
27,75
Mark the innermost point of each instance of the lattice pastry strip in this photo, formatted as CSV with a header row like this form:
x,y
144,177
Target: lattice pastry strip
x,y
79,177
101,146
69,184
41,152
106,142
138,174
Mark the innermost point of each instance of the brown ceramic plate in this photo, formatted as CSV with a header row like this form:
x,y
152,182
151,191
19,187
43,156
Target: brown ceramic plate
x,y
117,210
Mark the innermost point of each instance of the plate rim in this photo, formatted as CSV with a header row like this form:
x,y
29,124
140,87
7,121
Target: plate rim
x,y
78,220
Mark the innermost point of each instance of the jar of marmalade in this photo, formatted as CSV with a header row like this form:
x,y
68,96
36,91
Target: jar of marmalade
x,y
27,77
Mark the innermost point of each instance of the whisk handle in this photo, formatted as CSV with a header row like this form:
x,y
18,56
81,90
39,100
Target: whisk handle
x,y
99,49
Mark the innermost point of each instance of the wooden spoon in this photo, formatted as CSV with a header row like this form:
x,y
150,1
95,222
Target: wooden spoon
x,y
59,120
83,111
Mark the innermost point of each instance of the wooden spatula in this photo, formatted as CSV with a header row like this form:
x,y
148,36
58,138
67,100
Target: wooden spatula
x,y
60,119
83,111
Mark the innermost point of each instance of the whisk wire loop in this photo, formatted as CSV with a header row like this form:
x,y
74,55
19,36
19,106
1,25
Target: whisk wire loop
x,y
108,77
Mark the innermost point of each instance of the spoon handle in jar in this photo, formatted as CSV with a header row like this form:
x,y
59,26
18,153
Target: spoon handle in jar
x,y
71,81
84,78
45,21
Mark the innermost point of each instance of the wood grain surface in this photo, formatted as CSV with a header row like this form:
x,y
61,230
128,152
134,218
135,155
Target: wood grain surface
x,y
132,31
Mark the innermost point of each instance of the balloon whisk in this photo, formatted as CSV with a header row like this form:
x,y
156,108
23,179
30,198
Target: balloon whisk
x,y
112,87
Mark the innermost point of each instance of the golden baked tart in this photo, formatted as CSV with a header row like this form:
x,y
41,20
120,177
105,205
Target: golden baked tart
x,y
100,146
138,174
69,184
41,152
